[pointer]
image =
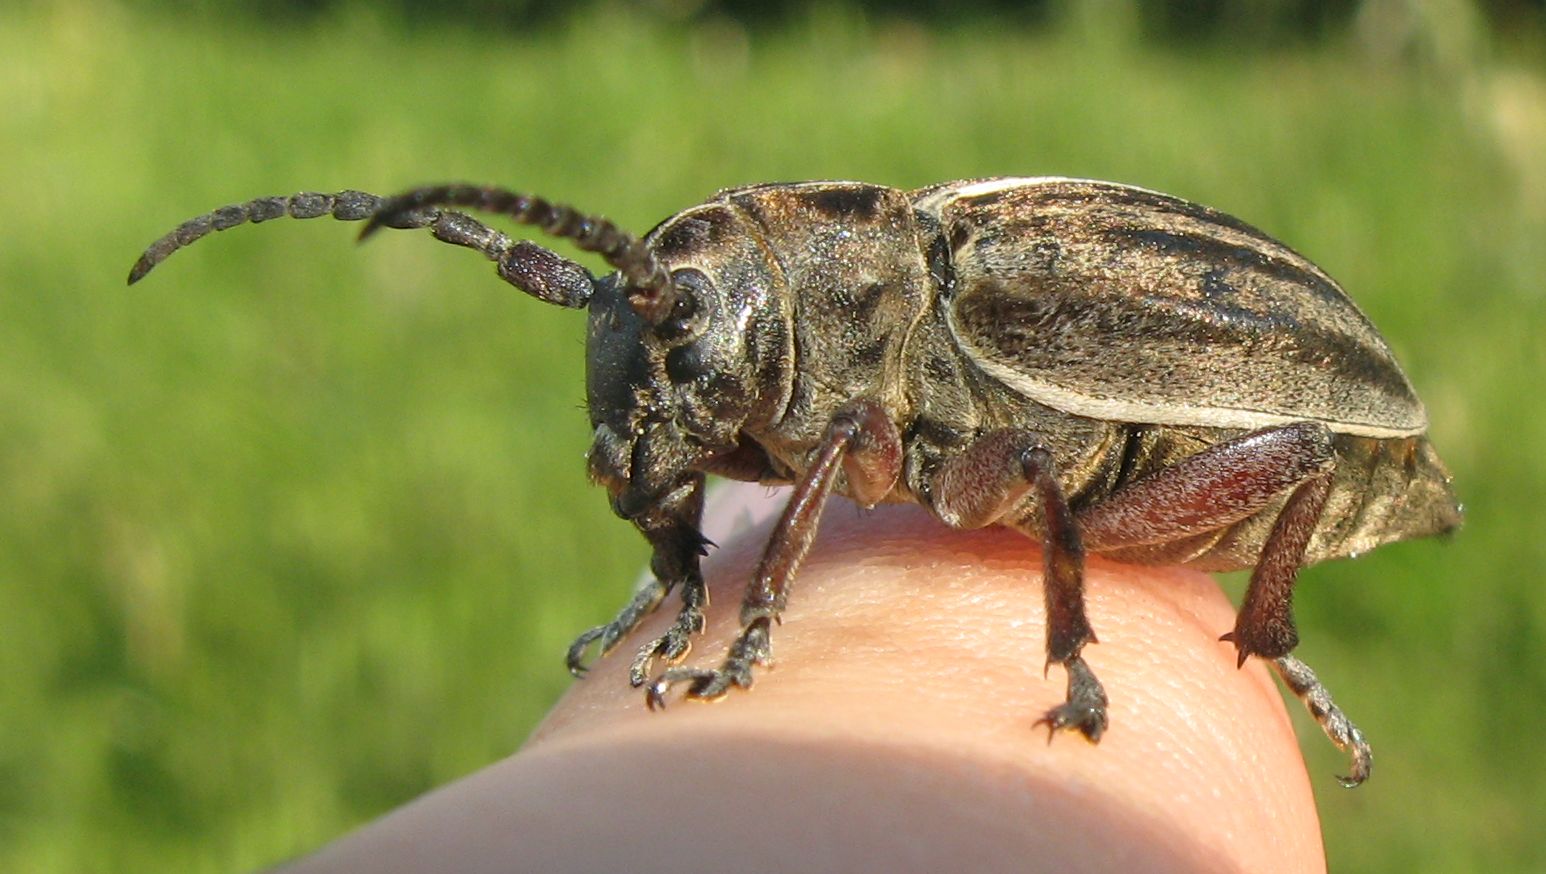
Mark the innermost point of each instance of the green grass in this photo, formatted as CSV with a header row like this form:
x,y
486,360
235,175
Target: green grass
x,y
293,532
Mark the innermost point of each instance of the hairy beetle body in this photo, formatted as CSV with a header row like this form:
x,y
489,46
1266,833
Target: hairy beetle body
x,y
1033,284
1104,368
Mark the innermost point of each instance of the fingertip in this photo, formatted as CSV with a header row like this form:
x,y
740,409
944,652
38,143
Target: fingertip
x,y
902,631
899,731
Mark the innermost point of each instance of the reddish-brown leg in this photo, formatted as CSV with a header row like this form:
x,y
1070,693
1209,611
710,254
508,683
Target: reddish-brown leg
x,y
1220,486
864,444
1214,488
988,480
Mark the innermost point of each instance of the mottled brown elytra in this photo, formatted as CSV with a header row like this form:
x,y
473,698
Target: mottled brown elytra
x,y
1102,367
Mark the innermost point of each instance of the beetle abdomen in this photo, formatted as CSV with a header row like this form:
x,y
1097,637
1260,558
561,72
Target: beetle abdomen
x,y
1119,303
1383,491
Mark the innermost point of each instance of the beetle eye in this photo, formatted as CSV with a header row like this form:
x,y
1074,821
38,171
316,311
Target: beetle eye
x,y
685,320
685,306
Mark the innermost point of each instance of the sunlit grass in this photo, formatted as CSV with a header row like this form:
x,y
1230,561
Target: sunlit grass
x,y
293,532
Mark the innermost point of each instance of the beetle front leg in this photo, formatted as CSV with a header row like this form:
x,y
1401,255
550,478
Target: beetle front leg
x,y
984,483
864,444
672,528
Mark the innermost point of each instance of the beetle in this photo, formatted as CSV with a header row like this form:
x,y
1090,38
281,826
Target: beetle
x,y
1102,367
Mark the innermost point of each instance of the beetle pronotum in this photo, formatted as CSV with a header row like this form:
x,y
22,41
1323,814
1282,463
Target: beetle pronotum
x,y
1102,367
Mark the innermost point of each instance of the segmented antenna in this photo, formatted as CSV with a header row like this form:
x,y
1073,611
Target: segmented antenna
x,y
523,264
649,283
349,206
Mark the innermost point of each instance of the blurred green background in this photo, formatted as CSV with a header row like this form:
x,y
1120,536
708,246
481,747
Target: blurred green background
x,y
294,532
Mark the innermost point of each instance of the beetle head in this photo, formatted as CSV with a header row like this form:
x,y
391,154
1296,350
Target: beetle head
x,y
686,339
672,378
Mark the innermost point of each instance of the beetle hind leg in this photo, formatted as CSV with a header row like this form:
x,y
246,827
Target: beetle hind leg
x,y
1222,485
1307,687
1265,625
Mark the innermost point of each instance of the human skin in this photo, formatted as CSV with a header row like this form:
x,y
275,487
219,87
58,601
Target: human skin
x,y
895,733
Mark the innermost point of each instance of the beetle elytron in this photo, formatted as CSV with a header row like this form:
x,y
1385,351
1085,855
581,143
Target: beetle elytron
x,y
1101,367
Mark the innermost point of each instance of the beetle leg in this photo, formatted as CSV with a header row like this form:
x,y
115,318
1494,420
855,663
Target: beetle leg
x,y
981,485
671,527
1208,491
1222,485
1068,628
864,444
1302,681
674,644
1265,625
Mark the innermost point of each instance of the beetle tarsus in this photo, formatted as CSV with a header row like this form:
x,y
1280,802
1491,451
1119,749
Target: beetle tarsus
x,y
643,603
1085,709
574,659
751,648
676,642
1341,730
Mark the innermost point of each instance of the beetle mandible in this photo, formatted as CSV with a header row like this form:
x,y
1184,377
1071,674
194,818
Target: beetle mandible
x,y
1102,367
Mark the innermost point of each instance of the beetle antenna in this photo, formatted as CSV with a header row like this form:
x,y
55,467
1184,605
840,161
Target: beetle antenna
x,y
348,206
650,289
535,270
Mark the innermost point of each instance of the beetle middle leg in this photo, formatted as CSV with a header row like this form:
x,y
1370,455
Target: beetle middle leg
x,y
987,481
864,444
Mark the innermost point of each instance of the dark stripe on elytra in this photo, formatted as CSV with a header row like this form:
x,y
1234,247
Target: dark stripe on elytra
x,y
1196,211
1216,287
1223,255
1015,325
1088,194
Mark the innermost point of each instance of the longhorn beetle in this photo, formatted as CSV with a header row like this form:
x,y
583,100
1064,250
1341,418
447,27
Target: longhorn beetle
x,y
1104,368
